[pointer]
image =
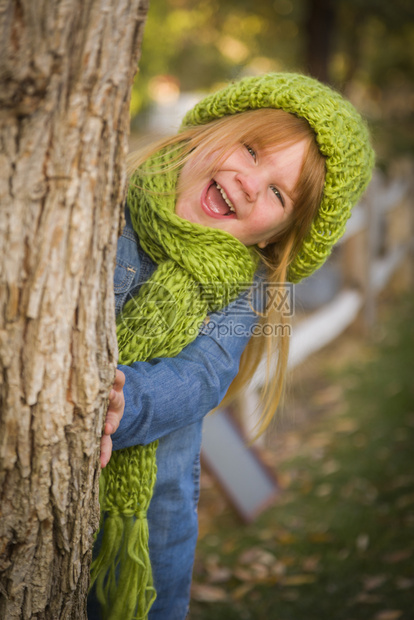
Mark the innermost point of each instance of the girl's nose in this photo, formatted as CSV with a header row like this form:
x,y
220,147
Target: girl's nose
x,y
250,184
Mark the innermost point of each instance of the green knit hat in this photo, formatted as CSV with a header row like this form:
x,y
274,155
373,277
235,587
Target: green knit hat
x,y
342,137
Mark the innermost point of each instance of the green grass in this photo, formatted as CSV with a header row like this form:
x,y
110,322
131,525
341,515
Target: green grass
x,y
339,543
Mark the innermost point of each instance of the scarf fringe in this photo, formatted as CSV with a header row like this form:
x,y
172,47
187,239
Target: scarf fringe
x,y
121,572
123,576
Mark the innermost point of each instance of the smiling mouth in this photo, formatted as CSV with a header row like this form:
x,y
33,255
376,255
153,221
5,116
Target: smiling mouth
x,y
216,203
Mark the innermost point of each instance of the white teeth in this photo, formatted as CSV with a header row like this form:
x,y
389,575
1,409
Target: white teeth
x,y
225,198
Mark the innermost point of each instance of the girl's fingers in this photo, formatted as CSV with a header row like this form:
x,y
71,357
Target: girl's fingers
x,y
119,381
113,416
106,450
112,421
116,401
115,411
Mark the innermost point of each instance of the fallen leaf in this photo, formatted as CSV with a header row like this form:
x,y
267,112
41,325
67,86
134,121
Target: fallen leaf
x,y
319,440
256,573
260,572
284,479
216,571
266,534
320,537
388,614
242,574
286,538
403,583
365,597
278,569
330,467
343,554
241,591
311,563
290,595
324,489
218,574
298,580
346,425
257,554
307,484
288,560
362,542
397,556
374,581
229,546
208,594
328,396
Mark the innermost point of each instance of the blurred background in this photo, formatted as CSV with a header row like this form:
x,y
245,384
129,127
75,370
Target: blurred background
x,y
334,538
365,48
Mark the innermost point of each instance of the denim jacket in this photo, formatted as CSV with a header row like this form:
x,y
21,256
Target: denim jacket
x,y
166,399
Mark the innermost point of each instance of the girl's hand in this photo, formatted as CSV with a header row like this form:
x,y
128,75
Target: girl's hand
x,y
113,416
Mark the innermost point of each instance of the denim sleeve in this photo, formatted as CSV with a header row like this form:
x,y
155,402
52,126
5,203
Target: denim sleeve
x,y
166,394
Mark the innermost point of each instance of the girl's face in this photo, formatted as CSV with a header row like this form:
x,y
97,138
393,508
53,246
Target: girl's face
x,y
251,195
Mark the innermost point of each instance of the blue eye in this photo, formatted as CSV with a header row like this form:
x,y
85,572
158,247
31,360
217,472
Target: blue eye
x,y
277,194
251,151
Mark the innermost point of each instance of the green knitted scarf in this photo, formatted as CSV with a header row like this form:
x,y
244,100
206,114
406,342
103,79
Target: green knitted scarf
x,y
200,270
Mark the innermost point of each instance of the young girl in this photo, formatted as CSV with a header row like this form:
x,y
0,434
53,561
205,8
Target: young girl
x,y
260,180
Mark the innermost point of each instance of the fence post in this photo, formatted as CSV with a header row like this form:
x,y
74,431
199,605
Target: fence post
x,y
371,236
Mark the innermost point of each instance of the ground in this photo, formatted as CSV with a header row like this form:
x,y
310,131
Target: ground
x,y
339,541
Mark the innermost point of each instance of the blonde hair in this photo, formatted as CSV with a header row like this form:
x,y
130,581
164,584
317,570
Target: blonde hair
x,y
266,128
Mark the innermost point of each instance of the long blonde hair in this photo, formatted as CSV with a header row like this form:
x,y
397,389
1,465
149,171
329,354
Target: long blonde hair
x,y
264,129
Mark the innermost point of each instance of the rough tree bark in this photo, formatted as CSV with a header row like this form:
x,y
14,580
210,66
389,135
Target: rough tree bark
x,y
66,74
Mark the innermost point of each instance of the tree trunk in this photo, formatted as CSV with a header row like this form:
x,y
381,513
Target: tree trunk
x,y
320,27
65,81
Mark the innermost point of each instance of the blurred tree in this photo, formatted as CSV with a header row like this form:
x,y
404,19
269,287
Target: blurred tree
x,y
375,36
373,62
208,42
363,47
65,80
319,28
